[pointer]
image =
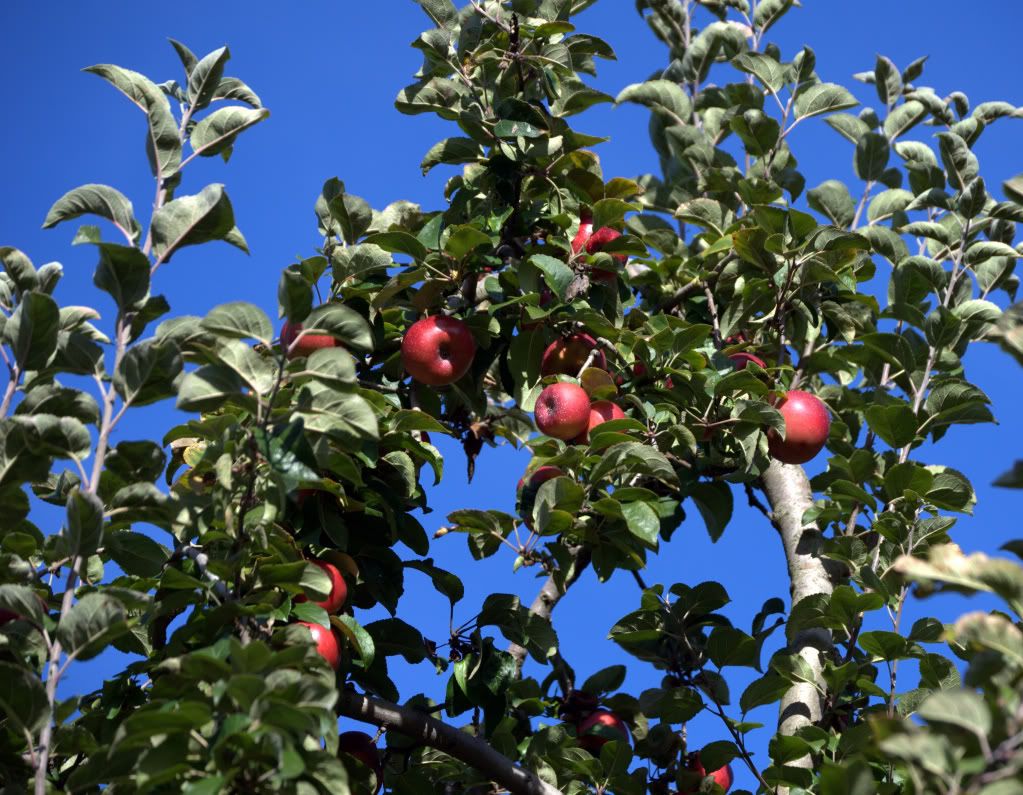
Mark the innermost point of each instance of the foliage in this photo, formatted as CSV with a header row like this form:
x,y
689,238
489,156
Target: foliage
x,y
192,552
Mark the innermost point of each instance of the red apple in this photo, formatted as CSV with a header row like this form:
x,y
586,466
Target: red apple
x,y
438,350
601,411
585,230
722,776
338,588
596,243
361,746
806,427
562,411
568,354
326,642
529,485
601,727
742,358
6,617
539,476
308,342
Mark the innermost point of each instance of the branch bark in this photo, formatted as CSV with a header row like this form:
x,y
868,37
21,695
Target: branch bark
x,y
789,495
470,749
549,596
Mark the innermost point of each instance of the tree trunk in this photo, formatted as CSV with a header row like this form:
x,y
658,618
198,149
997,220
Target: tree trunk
x,y
789,494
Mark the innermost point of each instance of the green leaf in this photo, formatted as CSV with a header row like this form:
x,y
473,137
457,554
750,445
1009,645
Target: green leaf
x,y
442,12
204,78
359,638
192,220
124,273
895,424
676,705
333,367
187,57
606,680
766,690
556,273
832,199
769,12
872,153
887,80
22,602
961,164
642,521
399,242
208,388
235,89
715,503
136,554
163,144
962,708
31,331
92,199
341,322
88,627
903,118
983,250
729,646
19,268
241,320
663,97
147,372
360,261
823,98
758,131
463,239
84,523
23,698
218,131
765,68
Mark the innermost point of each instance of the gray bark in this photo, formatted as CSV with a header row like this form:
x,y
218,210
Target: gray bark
x,y
789,494
468,748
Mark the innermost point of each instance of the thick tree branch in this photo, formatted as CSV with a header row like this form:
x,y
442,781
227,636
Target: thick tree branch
x,y
789,494
418,725
549,596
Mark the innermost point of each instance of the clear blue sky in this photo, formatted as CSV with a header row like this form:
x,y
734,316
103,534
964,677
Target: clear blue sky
x,y
329,72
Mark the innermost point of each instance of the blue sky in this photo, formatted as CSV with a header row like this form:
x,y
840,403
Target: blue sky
x,y
329,72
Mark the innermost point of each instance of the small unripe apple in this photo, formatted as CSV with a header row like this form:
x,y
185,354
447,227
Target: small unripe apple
x,y
722,776
308,342
438,350
562,410
806,427
741,359
326,642
601,411
568,354
361,746
338,588
599,728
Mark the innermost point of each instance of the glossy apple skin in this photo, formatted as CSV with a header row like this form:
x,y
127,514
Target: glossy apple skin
x,y
438,350
601,411
722,776
741,359
327,645
567,355
306,345
562,411
338,588
806,428
599,728
361,746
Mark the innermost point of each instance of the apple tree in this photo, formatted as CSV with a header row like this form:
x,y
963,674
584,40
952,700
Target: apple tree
x,y
663,345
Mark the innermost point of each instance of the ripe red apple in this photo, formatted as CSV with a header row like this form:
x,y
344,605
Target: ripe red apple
x,y
361,746
742,358
585,230
722,776
806,427
568,354
528,486
601,727
601,411
562,410
601,238
307,344
438,350
338,588
327,645
538,476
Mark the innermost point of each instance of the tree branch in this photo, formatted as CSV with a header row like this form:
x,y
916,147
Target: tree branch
x,y
549,596
472,750
789,494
